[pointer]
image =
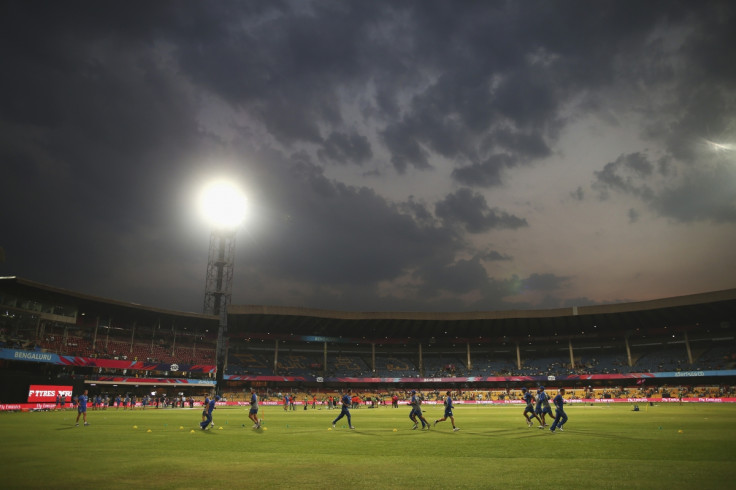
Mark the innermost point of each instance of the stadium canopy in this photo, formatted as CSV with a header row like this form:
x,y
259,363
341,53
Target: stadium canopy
x,y
697,312
67,306
707,312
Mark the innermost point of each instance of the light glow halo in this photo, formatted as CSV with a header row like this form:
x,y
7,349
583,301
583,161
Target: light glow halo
x,y
223,204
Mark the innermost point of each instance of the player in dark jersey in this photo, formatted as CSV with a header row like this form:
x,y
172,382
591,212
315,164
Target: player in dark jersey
x,y
529,409
543,409
82,407
253,413
207,413
416,411
560,415
448,412
347,400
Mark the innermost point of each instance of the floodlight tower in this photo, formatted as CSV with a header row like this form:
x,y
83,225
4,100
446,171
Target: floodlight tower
x,y
223,205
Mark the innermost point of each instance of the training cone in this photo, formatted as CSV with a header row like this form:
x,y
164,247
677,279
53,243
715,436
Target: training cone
x,y
219,428
396,430
149,430
329,428
135,426
191,431
264,428
181,427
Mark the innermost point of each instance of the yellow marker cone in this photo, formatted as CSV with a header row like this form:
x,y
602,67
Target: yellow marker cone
x,y
192,431
219,428
149,430
135,426
181,427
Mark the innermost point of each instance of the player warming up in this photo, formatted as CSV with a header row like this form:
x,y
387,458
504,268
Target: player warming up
x,y
82,407
543,406
253,413
448,412
347,400
416,413
207,413
529,409
560,415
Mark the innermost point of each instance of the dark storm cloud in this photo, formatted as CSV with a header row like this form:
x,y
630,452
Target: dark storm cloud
x,y
493,255
704,195
485,174
694,103
627,174
544,282
107,108
471,211
346,234
96,126
346,148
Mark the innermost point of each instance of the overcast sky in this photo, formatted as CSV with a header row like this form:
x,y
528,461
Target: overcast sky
x,y
397,155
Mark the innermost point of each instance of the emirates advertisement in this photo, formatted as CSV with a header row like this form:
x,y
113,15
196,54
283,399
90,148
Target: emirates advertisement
x,y
48,393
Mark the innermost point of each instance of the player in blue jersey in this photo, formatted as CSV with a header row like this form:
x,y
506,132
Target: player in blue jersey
x,y
560,415
543,409
82,407
529,409
207,413
253,413
448,412
416,413
412,414
347,400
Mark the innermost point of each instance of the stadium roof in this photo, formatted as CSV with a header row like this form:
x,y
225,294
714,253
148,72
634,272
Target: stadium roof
x,y
94,305
691,313
705,310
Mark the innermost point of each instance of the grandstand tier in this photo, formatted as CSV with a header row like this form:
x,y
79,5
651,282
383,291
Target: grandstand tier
x,y
45,331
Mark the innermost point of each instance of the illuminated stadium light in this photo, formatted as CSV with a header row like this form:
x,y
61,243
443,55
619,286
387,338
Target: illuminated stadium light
x,y
224,206
718,147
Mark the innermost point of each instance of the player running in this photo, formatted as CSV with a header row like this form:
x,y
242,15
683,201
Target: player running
x,y
416,411
560,415
448,413
207,413
347,400
543,408
529,400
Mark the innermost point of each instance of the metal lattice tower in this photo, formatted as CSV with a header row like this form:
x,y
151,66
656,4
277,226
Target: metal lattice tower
x,y
218,290
219,281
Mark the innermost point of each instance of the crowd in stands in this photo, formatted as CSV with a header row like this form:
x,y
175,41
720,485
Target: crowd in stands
x,y
656,359
80,345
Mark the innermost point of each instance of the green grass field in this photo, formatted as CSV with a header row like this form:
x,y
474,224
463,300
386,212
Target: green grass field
x,y
662,446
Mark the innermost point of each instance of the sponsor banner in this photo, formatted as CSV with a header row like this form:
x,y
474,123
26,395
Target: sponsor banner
x,y
25,407
29,355
135,365
51,358
245,377
198,404
48,393
484,379
108,380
